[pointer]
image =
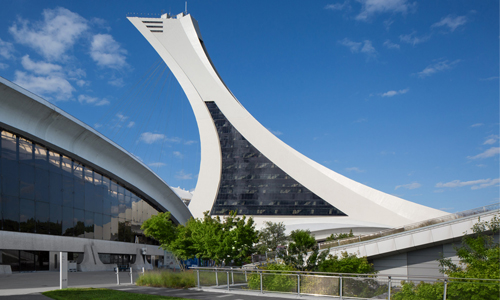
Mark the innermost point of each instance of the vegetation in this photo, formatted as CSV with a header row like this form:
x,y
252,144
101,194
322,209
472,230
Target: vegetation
x,y
176,280
271,236
276,282
227,240
479,257
102,294
298,257
347,263
334,237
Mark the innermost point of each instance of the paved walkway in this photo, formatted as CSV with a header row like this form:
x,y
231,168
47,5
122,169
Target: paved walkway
x,y
29,286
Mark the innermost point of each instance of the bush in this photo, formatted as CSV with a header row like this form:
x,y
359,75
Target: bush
x,y
177,280
276,282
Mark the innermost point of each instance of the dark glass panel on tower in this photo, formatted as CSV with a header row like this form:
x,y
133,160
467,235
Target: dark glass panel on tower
x,y
79,221
67,224
56,219
41,185
98,226
68,190
251,184
9,145
27,181
79,193
42,216
26,151
41,157
55,187
10,177
89,224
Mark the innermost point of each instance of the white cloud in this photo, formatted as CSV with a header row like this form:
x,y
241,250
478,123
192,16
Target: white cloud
x,y
6,49
51,85
394,93
492,139
488,153
355,169
490,78
150,137
53,36
118,82
183,176
84,99
130,124
178,154
477,125
190,142
338,6
3,66
275,132
121,117
40,67
475,184
437,67
106,52
452,22
81,83
410,186
390,45
412,39
157,164
365,47
373,7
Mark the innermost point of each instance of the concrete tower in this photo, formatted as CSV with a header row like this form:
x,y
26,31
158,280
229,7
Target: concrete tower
x,y
245,168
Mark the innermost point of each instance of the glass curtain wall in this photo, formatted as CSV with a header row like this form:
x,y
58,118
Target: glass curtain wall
x,y
43,191
251,184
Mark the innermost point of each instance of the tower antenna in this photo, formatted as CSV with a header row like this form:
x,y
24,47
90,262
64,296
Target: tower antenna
x,y
186,8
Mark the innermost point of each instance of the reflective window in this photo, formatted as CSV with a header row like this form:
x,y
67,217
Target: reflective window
x,y
251,184
45,192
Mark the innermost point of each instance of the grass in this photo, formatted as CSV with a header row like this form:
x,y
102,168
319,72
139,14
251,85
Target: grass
x,y
102,294
176,280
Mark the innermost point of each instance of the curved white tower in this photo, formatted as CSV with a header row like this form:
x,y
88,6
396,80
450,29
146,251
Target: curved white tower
x,y
245,168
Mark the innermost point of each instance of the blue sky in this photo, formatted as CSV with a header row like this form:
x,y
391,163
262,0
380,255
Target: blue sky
x,y
398,95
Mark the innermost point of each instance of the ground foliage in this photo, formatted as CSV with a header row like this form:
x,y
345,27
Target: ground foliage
x,y
168,279
479,257
227,240
277,282
339,236
346,263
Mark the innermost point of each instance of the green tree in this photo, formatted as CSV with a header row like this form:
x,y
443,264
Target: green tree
x,y
334,237
271,236
303,251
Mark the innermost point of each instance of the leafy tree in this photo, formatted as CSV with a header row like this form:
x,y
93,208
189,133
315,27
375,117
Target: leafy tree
x,y
347,263
303,251
271,236
334,237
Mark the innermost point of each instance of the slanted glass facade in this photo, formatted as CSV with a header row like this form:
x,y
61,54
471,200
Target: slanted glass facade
x,y
43,191
251,184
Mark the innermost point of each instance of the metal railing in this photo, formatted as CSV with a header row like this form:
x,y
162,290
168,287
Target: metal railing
x,y
341,285
383,233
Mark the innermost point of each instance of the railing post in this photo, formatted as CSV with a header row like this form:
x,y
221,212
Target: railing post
x,y
261,290
131,276
142,270
445,287
227,272
298,284
340,284
216,277
246,279
390,284
198,275
232,276
117,276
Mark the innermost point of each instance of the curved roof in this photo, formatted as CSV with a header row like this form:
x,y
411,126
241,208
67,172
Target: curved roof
x,y
36,118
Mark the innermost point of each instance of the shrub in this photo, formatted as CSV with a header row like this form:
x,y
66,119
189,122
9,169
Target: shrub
x,y
178,280
276,282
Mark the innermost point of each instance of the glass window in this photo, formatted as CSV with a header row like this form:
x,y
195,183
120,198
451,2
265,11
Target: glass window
x,y
27,216
114,229
27,261
41,156
79,186
56,219
11,257
68,193
41,185
89,225
97,179
79,219
67,224
55,161
106,227
10,208
78,170
10,177
9,146
98,226
25,151
89,197
27,181
89,175
66,164
42,215
55,188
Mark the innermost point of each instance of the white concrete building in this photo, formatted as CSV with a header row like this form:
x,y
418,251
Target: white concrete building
x,y
245,168
65,187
